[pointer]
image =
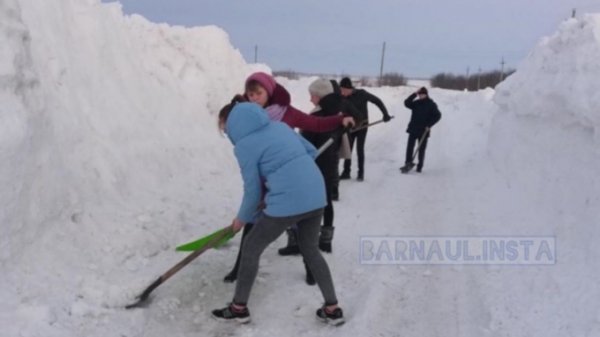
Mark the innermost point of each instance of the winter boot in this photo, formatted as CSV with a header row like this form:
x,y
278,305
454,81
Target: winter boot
x,y
345,175
407,167
325,239
232,314
335,194
310,280
360,177
334,317
292,245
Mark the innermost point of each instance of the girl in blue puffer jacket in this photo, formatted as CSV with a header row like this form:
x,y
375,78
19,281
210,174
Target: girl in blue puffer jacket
x,y
272,153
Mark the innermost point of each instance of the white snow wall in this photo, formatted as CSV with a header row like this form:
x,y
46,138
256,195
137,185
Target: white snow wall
x,y
97,109
545,145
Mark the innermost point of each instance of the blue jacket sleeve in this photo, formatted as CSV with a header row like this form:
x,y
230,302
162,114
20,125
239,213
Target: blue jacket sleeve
x,y
311,149
252,185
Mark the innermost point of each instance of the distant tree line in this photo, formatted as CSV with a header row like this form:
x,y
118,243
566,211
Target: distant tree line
x,y
289,74
472,83
388,79
393,79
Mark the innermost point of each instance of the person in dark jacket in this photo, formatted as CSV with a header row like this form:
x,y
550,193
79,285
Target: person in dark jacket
x,y
359,98
327,103
425,114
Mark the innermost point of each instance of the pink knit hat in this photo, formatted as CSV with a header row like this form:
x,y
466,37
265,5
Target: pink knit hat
x,y
265,80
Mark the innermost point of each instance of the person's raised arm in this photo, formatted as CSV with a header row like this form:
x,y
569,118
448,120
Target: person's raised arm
x,y
409,102
379,103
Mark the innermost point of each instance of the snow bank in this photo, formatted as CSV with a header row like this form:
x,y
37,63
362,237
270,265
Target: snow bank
x,y
544,144
558,81
109,148
547,130
90,97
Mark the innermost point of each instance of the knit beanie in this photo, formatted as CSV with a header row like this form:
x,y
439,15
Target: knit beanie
x,y
320,88
265,80
346,83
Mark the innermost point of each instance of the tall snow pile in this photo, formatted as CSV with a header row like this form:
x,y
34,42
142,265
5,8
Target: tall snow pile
x,y
108,146
545,145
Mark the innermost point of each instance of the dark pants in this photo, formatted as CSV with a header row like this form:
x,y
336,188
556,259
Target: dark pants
x,y
360,137
265,231
410,145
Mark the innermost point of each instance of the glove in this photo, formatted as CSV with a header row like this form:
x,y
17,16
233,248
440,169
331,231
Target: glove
x,y
386,118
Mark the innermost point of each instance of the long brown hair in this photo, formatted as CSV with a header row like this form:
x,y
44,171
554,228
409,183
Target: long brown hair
x,y
226,110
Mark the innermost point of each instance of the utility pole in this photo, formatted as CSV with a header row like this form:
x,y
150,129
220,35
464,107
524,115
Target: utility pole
x,y
467,80
255,53
478,78
502,63
381,67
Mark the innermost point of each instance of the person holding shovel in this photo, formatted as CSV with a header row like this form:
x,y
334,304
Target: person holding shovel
x,y
359,98
272,153
425,114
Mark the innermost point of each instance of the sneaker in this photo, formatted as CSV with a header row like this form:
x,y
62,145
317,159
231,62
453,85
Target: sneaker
x,y
231,314
335,318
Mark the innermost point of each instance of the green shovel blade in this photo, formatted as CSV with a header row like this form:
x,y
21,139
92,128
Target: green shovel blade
x,y
202,242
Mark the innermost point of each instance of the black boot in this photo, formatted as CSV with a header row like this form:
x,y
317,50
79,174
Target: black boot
x,y
360,176
345,175
407,167
292,245
326,238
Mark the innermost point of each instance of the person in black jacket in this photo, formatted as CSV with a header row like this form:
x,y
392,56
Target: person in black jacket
x,y
347,108
425,114
359,98
327,103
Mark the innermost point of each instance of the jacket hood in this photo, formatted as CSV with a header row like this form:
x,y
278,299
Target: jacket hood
x,y
244,119
280,96
331,103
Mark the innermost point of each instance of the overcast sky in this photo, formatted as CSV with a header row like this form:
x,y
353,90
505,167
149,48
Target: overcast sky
x,y
346,36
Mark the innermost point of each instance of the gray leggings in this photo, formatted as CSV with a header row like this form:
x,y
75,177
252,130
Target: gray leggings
x,y
265,231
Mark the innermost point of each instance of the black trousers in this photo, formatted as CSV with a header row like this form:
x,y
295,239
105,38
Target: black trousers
x,y
360,137
410,146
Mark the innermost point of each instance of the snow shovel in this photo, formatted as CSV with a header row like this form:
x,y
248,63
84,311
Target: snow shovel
x,y
409,166
216,239
368,125
331,139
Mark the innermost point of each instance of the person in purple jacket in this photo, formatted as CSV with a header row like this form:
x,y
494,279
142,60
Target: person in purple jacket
x,y
272,153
